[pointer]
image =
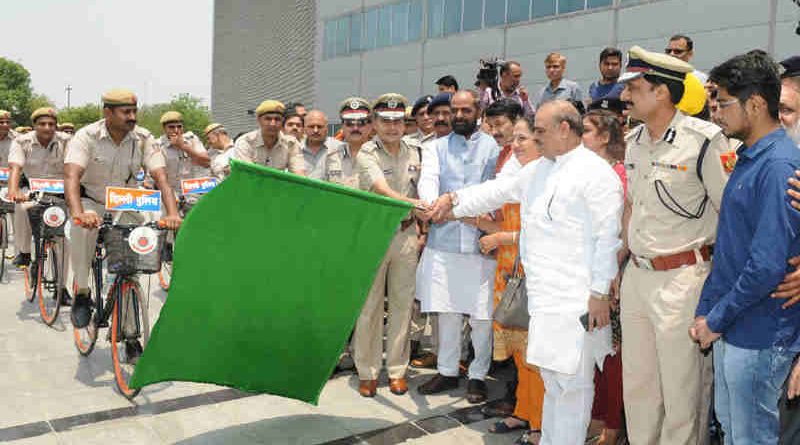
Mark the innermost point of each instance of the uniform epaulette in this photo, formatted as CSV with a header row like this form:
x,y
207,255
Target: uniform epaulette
x,y
704,128
142,132
635,133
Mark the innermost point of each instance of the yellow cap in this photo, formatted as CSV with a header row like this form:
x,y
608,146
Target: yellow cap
x,y
23,129
171,116
42,112
211,127
390,106
119,97
270,106
67,125
642,62
4,114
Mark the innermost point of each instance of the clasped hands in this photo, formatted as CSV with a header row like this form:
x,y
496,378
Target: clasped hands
x,y
702,334
440,211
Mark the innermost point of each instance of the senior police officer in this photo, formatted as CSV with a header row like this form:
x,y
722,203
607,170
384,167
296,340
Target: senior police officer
x,y
267,145
317,144
355,115
109,152
186,157
220,149
38,154
676,174
389,165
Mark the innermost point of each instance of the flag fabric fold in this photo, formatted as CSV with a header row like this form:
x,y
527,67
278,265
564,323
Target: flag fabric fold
x,y
270,273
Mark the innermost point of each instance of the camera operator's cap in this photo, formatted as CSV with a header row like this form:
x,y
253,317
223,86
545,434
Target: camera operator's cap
x,y
43,112
212,127
642,62
354,108
791,67
614,104
270,106
390,106
5,114
423,101
119,97
440,99
171,116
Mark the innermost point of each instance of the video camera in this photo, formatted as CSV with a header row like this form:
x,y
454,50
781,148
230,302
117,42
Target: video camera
x,y
489,73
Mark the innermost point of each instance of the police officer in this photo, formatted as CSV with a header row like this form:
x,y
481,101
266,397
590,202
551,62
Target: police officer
x,y
389,165
355,115
267,145
67,127
109,152
676,174
38,154
220,149
423,119
186,157
6,136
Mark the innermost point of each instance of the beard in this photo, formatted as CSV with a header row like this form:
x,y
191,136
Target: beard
x,y
794,132
464,127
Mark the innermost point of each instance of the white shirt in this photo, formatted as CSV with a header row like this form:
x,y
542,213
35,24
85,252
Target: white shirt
x,y
571,210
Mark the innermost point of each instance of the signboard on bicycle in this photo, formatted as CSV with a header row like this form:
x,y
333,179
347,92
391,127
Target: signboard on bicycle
x,y
5,173
135,200
197,186
55,186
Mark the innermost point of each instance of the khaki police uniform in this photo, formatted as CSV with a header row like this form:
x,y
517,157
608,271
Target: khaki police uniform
x,y
667,379
340,166
5,147
284,155
179,163
105,164
396,275
37,162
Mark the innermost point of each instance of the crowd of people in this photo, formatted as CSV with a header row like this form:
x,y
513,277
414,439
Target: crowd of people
x,y
588,220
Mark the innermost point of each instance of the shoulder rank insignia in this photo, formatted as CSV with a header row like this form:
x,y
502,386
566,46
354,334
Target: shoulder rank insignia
x,y
728,160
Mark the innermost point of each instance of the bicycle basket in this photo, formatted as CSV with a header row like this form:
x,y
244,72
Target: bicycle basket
x,y
55,211
122,259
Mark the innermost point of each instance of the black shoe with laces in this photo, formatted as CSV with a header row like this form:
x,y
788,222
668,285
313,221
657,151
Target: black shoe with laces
x,y
81,310
437,384
22,260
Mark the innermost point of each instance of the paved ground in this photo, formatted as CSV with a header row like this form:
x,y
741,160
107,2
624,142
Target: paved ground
x,y
51,395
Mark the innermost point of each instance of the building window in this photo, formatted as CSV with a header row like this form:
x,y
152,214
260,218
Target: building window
x,y
342,32
384,26
399,23
371,34
543,8
519,11
473,15
435,18
415,20
565,6
355,32
494,13
452,17
330,39
598,3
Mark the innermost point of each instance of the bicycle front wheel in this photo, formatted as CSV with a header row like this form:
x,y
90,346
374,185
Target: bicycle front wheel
x,y
48,290
85,338
3,245
130,330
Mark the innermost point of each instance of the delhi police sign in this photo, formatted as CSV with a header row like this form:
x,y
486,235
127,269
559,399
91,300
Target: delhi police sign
x,y
135,200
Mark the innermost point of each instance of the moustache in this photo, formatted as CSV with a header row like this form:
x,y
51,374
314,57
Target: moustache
x,y
131,121
355,132
441,124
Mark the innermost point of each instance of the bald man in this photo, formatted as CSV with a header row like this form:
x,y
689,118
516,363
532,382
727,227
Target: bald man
x,y
317,144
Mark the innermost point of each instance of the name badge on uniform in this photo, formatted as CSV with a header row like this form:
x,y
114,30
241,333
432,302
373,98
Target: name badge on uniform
x,y
197,186
55,186
388,171
5,173
135,200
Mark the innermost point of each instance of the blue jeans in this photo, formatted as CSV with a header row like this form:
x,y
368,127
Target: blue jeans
x,y
747,386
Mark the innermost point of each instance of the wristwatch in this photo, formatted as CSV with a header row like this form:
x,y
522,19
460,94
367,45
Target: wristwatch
x,y
599,296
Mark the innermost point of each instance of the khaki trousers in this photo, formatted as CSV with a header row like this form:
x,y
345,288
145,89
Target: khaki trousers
x,y
396,278
667,380
22,227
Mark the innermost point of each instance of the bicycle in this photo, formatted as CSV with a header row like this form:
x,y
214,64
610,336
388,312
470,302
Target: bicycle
x,y
48,219
6,208
127,249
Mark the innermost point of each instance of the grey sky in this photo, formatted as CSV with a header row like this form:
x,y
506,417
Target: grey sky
x,y
158,48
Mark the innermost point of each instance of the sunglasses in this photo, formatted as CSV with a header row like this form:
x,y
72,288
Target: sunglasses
x,y
356,123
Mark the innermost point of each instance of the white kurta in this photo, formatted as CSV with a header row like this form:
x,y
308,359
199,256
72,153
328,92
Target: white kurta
x,y
456,282
571,210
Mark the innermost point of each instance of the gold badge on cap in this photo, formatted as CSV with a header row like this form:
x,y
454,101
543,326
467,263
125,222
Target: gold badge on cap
x,y
392,103
354,104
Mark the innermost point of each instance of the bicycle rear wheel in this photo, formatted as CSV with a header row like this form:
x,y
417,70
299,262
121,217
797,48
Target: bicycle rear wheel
x,y
48,289
129,323
85,338
31,276
3,244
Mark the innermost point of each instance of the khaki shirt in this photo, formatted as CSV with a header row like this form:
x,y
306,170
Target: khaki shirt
x,y
285,154
340,166
108,164
401,171
662,173
179,163
5,147
37,161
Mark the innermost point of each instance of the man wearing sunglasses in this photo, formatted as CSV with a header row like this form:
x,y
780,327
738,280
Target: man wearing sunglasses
x,y
682,47
185,154
354,113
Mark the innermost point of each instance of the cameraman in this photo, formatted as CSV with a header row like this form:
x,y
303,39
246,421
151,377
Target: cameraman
x,y
508,87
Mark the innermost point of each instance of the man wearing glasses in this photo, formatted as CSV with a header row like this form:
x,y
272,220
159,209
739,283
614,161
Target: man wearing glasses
x,y
354,113
682,47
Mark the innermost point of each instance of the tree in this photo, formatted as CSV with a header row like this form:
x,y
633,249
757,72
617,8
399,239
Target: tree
x,y
82,115
195,115
15,90
39,101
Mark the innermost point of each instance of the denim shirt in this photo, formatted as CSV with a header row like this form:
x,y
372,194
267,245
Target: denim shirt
x,y
757,234
462,163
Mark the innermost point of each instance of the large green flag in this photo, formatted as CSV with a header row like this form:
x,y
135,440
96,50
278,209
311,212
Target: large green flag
x,y
270,273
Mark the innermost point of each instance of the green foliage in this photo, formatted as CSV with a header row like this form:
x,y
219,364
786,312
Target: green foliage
x,y
195,115
15,91
81,116
39,101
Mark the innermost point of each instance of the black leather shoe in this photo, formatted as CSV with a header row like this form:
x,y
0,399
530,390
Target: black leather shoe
x,y
437,384
22,259
476,391
81,311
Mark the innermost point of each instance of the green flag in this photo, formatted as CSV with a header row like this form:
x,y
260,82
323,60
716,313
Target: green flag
x,y
270,273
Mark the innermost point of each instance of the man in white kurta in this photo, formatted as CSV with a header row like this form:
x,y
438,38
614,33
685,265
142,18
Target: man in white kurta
x,y
453,278
571,206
